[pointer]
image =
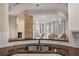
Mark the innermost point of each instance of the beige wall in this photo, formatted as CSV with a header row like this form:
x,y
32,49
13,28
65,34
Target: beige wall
x,y
4,25
29,27
21,24
3,18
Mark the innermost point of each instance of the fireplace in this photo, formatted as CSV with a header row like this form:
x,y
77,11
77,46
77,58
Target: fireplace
x,y
19,34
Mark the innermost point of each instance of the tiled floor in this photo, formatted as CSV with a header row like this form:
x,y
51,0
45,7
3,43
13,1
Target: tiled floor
x,y
37,55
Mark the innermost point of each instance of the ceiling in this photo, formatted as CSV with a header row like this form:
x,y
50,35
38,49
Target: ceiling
x,y
41,12
40,8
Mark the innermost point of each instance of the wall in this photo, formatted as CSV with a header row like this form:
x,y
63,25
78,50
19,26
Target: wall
x,y
21,24
28,27
12,27
4,25
4,28
25,25
74,16
72,22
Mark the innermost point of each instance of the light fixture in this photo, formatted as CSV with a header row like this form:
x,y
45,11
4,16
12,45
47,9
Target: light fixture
x,y
37,5
16,4
17,20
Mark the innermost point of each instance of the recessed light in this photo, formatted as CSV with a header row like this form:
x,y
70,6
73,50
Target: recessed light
x,y
43,16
